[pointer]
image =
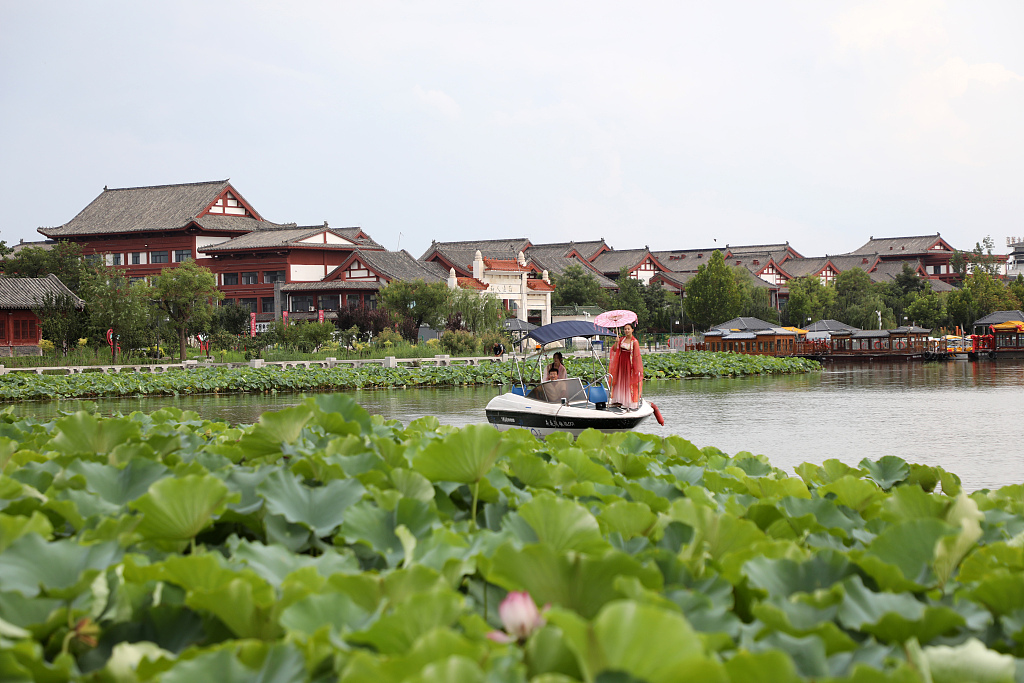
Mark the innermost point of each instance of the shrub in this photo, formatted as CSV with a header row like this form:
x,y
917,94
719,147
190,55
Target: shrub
x,y
488,340
46,346
459,342
388,337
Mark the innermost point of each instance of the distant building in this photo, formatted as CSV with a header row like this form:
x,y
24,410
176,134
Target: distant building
x,y
20,329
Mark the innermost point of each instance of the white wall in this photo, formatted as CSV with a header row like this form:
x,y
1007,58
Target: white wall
x,y
306,273
206,241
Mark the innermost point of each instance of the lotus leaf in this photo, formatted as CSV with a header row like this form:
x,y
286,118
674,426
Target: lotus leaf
x,y
178,509
60,569
321,509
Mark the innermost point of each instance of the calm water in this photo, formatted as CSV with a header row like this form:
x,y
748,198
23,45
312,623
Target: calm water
x,y
960,415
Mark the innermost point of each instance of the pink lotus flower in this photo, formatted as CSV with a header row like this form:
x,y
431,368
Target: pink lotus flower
x,y
520,617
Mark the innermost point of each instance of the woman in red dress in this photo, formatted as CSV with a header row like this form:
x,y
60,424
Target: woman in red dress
x,y
626,370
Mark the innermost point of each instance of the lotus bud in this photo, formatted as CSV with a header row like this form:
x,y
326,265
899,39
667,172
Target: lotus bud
x,y
519,614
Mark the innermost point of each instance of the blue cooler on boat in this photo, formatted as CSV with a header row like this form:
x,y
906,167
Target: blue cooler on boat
x,y
518,391
598,396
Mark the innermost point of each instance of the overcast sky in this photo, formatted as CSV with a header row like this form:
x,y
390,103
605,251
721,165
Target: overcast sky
x,y
669,124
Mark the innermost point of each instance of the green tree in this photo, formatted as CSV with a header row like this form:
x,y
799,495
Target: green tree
x,y
928,309
231,319
988,293
62,320
755,300
712,296
859,300
184,293
808,298
119,305
424,303
660,306
63,259
578,286
478,312
1017,290
961,308
982,259
632,297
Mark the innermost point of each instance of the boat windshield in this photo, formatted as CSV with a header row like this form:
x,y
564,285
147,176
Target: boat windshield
x,y
555,390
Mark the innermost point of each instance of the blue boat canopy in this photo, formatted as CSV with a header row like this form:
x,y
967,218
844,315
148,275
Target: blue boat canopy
x,y
567,329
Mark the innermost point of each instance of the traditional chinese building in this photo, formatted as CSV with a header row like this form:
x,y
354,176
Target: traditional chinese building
x,y
20,331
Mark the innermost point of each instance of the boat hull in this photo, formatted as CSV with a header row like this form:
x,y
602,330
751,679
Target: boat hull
x,y
510,411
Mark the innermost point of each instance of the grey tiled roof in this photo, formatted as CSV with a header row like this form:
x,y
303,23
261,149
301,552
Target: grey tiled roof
x,y
556,265
400,265
886,246
999,317
585,249
159,207
756,248
682,260
330,285
745,324
282,238
29,292
462,253
611,262
829,326
45,245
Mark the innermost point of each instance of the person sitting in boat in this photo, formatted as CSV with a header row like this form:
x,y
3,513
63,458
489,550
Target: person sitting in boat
x,y
551,390
626,370
557,365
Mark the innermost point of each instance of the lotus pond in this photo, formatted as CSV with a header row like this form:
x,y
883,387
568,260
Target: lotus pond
x,y
222,379
324,544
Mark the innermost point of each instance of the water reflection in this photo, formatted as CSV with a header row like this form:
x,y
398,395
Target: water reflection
x,y
959,415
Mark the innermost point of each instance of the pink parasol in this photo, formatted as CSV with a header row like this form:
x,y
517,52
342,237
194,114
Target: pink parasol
x,y
615,318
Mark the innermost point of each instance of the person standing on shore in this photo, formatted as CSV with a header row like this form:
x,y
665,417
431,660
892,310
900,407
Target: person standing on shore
x,y
626,370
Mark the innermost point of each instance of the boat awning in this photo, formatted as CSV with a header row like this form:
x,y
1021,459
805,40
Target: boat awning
x,y
567,329
795,329
1009,326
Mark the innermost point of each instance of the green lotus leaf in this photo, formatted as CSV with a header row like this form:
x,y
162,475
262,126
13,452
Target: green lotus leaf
x,y
807,652
125,658
901,556
647,642
13,527
412,485
280,663
563,524
578,582
396,632
893,617
27,611
715,534
245,483
784,577
322,509
628,519
274,429
177,509
769,488
464,456
365,523
970,661
772,666
339,413
119,485
275,562
951,550
1001,592
583,466
85,433
829,471
335,610
532,470
455,669
988,559
856,494
911,502
886,471
60,569
798,618
245,603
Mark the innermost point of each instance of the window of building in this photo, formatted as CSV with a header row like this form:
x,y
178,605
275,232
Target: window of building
x,y
24,330
327,302
371,302
182,254
158,257
133,280
268,304
303,303
136,257
270,276
249,278
115,259
230,278
226,301
248,304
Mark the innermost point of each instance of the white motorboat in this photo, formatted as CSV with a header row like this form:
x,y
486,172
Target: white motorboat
x,y
563,405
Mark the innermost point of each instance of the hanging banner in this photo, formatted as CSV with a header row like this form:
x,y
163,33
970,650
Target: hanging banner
x,y
284,315
320,315
110,337
252,324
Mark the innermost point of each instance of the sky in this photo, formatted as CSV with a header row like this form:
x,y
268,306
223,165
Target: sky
x,y
672,125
